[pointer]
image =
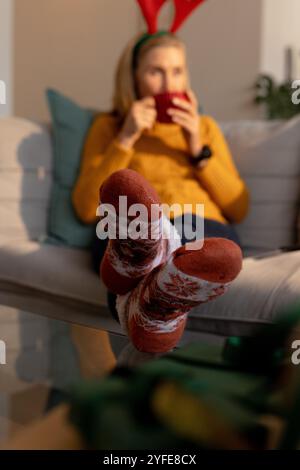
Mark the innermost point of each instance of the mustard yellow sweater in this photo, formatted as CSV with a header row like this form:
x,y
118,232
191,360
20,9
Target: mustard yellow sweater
x,y
161,156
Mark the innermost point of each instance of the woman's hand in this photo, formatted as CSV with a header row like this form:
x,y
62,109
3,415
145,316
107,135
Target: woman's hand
x,y
141,116
188,118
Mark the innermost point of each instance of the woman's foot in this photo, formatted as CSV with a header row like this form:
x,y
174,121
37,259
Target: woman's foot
x,y
127,260
154,314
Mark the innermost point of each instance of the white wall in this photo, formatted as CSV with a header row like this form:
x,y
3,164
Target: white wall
x,y
78,57
223,38
229,43
70,45
6,54
280,29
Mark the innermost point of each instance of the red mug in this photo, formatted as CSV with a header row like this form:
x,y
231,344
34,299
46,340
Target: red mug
x,y
163,102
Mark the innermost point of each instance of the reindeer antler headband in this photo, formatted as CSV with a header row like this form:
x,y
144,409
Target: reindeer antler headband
x,y
150,10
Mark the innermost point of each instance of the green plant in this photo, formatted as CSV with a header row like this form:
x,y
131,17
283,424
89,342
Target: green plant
x,y
277,98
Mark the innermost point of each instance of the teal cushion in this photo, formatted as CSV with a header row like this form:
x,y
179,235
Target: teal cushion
x,y
70,126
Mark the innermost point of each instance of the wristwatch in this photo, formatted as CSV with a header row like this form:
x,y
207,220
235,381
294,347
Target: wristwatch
x,y
205,154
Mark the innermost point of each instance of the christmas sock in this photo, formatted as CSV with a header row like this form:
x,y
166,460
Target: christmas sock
x,y
154,314
127,261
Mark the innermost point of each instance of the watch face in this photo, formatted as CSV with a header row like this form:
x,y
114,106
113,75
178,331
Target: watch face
x,y
204,156
206,152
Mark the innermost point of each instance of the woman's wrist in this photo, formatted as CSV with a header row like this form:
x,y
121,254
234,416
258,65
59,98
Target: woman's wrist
x,y
201,159
195,145
126,141
194,153
202,164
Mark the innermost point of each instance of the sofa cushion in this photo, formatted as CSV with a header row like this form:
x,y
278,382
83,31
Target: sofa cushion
x,y
61,284
267,155
25,179
265,288
70,126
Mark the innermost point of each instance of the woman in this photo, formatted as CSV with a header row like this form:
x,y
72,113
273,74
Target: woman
x,y
130,137
165,154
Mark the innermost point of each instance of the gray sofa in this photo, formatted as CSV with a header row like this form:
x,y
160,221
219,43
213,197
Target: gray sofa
x,y
58,282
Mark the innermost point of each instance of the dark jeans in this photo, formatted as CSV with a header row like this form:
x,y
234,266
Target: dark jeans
x,y
212,228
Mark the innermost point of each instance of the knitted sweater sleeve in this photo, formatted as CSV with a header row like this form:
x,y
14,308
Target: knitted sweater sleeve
x,y
102,156
221,179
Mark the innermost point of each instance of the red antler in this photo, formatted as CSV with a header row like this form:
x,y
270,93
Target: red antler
x,y
183,9
150,10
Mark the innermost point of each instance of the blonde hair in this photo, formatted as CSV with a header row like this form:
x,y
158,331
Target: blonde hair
x,y
125,88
